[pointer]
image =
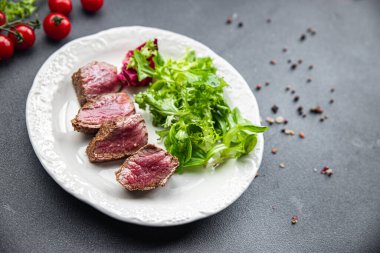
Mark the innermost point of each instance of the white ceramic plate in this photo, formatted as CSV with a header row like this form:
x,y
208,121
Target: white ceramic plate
x,y
52,104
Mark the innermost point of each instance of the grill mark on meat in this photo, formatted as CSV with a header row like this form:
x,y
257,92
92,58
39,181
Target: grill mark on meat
x,y
93,79
102,109
148,168
116,140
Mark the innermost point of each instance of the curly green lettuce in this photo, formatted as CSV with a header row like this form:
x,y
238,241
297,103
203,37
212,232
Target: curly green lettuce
x,y
186,100
20,9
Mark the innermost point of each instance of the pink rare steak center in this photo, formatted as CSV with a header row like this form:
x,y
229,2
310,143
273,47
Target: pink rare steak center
x,y
102,109
99,78
126,136
93,79
106,108
150,167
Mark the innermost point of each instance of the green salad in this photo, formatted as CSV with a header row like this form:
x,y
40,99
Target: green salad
x,y
186,101
18,9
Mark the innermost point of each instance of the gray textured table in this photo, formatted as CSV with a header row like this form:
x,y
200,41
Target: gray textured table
x,y
336,214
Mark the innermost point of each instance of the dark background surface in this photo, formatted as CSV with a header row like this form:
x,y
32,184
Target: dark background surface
x,y
336,214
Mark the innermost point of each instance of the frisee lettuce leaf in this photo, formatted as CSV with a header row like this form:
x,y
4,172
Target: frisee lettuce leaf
x,y
20,9
186,100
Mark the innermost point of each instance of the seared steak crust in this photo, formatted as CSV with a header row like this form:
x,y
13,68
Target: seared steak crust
x,y
94,79
150,167
116,140
102,109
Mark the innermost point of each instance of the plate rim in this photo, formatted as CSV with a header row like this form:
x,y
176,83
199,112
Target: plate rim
x,y
201,215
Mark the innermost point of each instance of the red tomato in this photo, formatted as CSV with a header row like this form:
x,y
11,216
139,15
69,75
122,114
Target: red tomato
x,y
6,48
61,6
26,39
91,5
3,18
56,26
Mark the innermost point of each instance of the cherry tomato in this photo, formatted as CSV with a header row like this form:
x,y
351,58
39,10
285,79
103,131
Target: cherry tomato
x,y
61,6
26,39
56,26
3,18
6,48
91,5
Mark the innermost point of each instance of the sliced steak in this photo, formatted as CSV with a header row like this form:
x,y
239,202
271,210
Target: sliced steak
x,y
147,169
102,109
118,139
94,79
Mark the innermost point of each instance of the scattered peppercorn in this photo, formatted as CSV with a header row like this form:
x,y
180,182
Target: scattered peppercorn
x,y
289,61
296,98
270,120
273,62
229,20
300,61
332,90
294,219
258,87
287,88
282,165
274,109
269,20
327,171
300,109
289,132
286,121
284,50
303,37
267,83
280,120
304,116
293,67
283,130
321,119
325,117
292,92
316,110
240,24
311,67
301,135
274,150
308,80
331,101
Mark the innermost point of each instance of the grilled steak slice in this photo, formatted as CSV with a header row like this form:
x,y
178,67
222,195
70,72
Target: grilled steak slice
x,y
147,169
102,109
94,79
118,139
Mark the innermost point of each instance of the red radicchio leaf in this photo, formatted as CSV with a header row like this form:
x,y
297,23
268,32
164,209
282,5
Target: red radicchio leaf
x,y
129,77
